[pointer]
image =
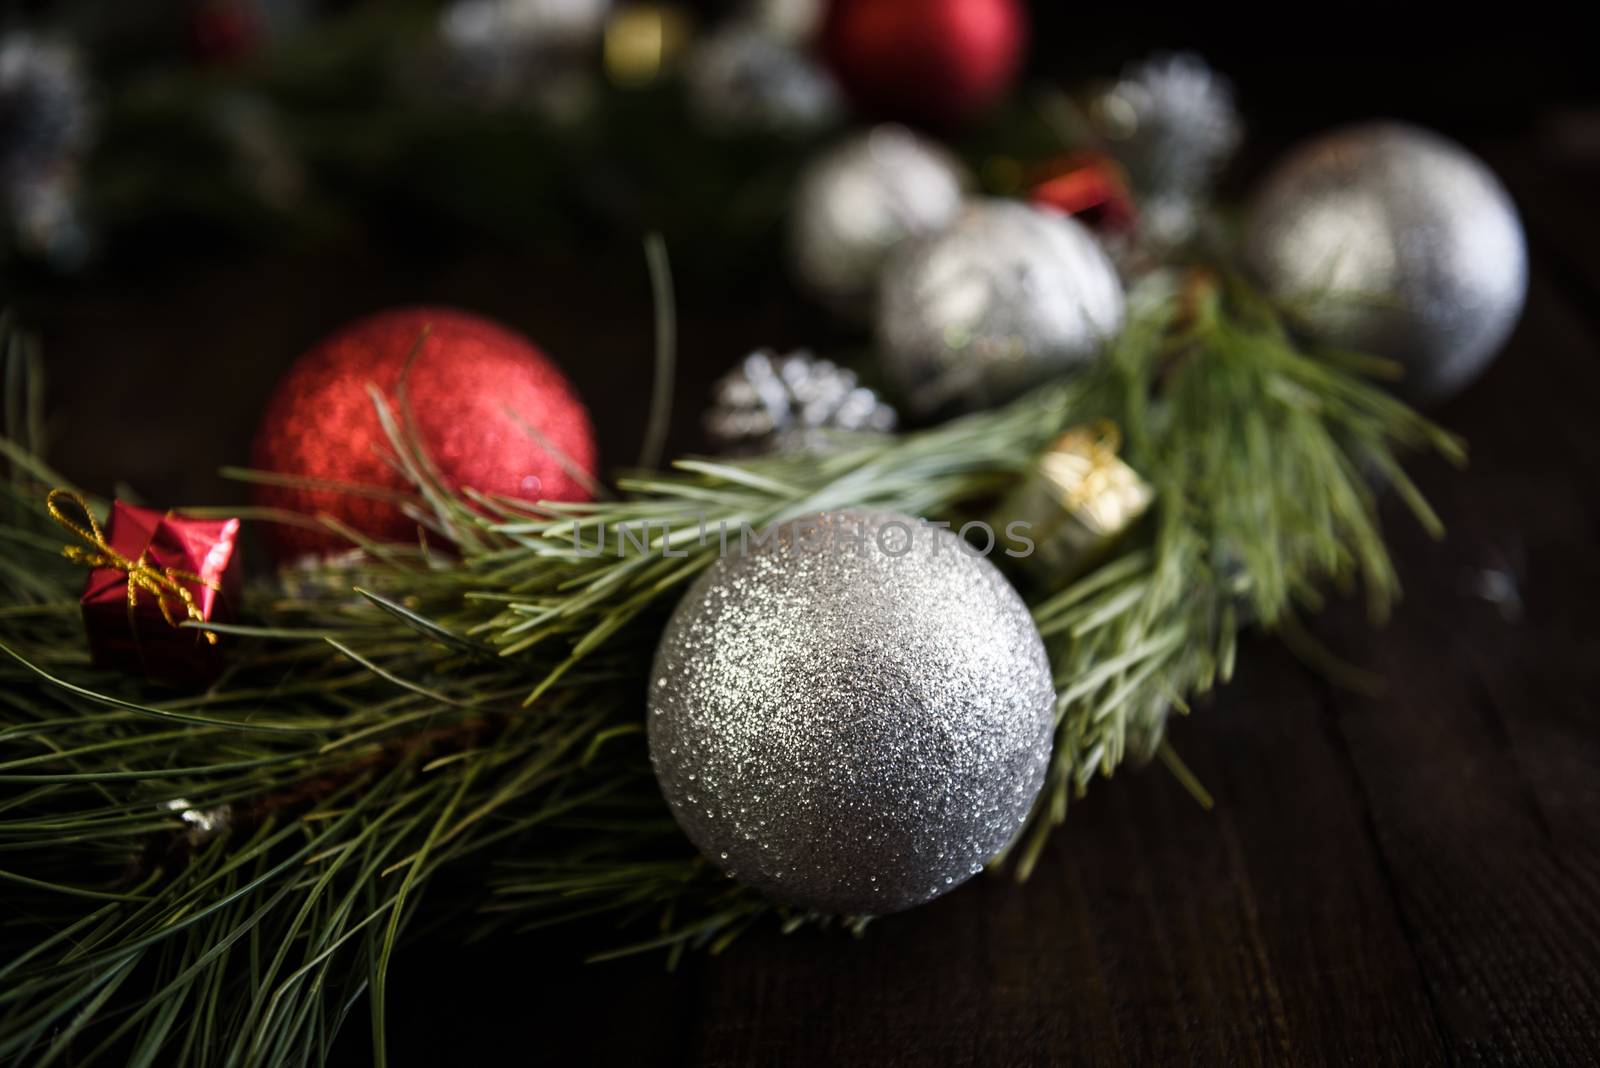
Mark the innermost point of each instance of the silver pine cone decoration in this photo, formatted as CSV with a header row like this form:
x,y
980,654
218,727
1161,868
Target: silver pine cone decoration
x,y
1170,121
792,403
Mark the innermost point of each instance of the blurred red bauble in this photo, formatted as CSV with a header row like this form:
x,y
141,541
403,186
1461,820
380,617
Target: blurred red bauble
x,y
474,390
932,61
223,32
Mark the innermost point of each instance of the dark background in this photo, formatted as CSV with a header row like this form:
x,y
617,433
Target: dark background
x,y
1408,877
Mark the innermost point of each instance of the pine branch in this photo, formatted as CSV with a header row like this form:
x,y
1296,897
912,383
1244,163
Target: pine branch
x,y
171,860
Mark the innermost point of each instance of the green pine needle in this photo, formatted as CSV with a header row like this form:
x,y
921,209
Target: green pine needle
x,y
219,877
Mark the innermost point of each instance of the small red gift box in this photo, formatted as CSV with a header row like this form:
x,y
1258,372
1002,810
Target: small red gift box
x,y
1090,186
199,555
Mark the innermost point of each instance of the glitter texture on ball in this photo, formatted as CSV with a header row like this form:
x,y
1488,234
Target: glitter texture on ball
x,y
1388,239
744,77
491,411
853,716
1004,299
860,199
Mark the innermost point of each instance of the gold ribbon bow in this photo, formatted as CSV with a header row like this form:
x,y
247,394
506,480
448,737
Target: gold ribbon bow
x,y
1091,479
166,584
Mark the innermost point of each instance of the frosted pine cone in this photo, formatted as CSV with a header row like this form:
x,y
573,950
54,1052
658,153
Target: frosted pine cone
x,y
793,403
1170,121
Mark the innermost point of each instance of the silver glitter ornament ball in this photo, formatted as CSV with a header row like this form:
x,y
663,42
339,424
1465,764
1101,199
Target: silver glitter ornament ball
x,y
853,716
531,54
860,199
1005,298
46,123
1391,240
747,78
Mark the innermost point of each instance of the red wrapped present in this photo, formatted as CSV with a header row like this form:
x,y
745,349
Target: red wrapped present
x,y
153,571
1088,185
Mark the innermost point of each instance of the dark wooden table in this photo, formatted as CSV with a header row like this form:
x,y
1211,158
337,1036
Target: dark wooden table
x,y
1411,877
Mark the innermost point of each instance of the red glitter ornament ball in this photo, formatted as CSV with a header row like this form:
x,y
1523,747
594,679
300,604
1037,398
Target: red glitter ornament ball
x,y
932,61
474,390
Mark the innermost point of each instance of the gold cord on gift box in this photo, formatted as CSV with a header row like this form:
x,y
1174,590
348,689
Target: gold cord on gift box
x,y
1082,464
166,584
1078,498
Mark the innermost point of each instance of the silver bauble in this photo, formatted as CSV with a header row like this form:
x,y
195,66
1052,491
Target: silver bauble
x,y
796,21
852,717
860,199
746,78
1391,240
520,53
46,122
1005,298
527,25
